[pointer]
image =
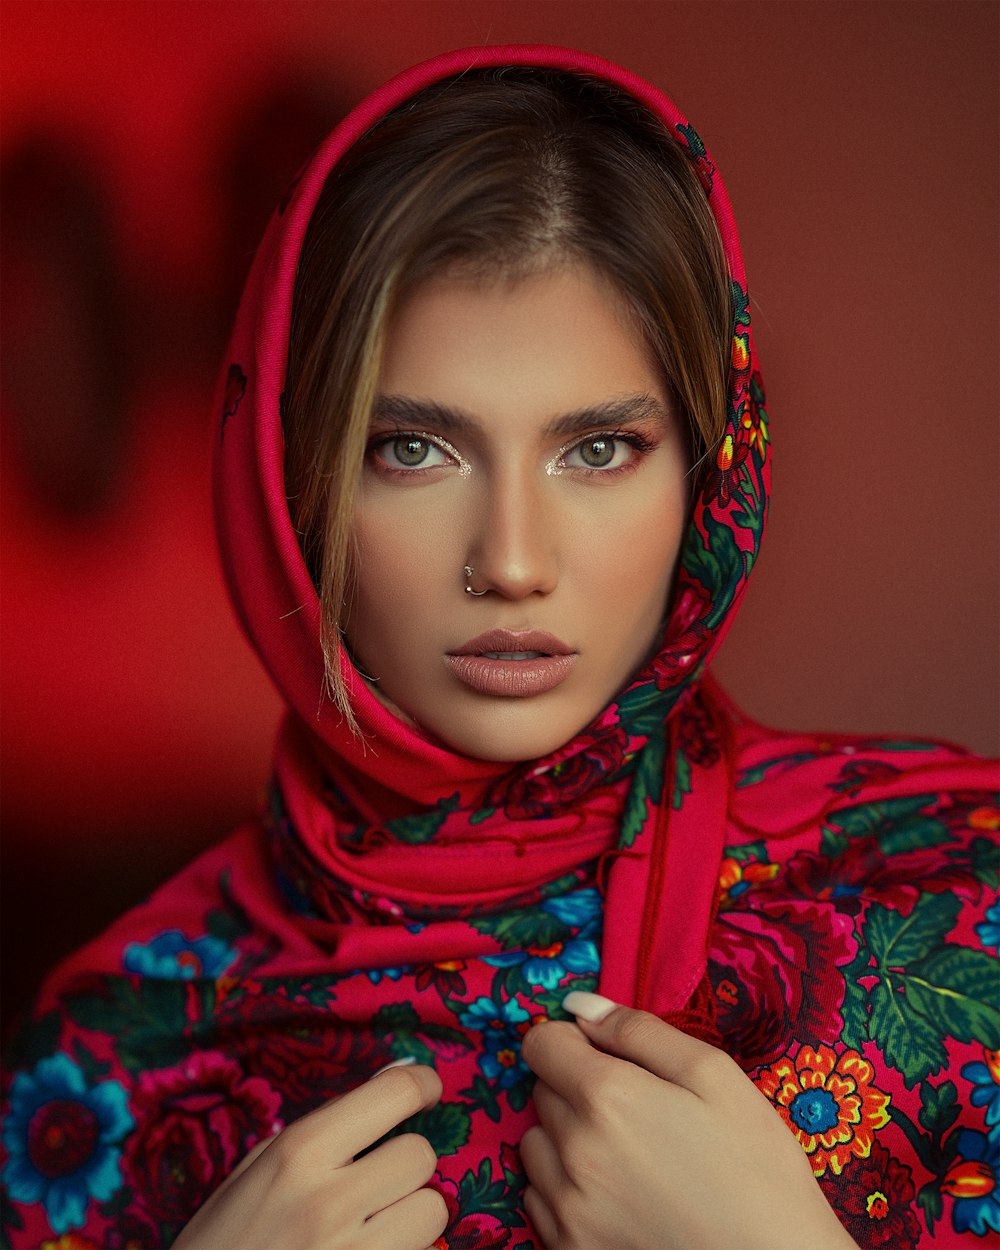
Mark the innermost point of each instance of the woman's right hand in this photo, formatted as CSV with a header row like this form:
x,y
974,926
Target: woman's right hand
x,y
304,1188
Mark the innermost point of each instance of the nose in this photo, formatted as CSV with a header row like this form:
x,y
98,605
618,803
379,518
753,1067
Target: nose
x,y
514,547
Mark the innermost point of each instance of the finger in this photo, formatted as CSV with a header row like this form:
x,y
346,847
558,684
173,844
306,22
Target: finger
x,y
537,1211
250,1157
542,1165
648,1041
397,1168
562,1056
413,1223
555,1114
337,1131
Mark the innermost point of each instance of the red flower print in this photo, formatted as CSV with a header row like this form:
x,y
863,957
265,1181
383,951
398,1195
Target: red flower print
x,y
721,482
687,635
775,973
697,737
306,1052
195,1122
539,792
863,872
829,1103
445,976
873,1199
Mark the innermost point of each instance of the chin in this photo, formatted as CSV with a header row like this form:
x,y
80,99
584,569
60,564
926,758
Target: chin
x,y
503,737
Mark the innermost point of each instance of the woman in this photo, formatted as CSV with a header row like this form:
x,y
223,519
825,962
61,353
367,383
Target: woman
x,y
501,323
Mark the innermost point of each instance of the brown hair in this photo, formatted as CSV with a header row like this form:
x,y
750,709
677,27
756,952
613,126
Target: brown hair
x,y
501,172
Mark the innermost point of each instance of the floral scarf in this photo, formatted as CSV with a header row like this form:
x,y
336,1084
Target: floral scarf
x,y
817,905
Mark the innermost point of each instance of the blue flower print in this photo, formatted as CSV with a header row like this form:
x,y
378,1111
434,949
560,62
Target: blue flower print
x,y
580,909
485,1015
375,975
989,929
171,956
547,965
973,1180
62,1140
503,1024
986,1079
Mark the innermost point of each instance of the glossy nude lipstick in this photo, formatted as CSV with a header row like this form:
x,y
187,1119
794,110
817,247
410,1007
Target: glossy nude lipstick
x,y
511,663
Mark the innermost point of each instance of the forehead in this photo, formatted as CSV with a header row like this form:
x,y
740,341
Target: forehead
x,y
527,348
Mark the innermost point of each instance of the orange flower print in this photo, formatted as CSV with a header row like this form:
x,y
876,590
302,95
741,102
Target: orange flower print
x,y
741,352
829,1103
736,877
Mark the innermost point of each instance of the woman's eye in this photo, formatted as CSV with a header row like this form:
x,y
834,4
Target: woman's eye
x,y
603,452
410,451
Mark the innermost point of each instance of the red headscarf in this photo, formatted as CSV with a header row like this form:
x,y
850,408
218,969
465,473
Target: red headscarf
x,y
517,828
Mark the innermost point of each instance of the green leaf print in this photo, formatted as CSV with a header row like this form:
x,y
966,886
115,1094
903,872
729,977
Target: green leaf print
x,y
716,562
739,300
682,779
748,852
753,776
981,858
446,1126
646,789
525,927
482,1094
896,824
926,990
910,1043
932,1204
478,1191
416,1038
149,1018
643,710
895,939
939,1107
420,828
92,1069
948,987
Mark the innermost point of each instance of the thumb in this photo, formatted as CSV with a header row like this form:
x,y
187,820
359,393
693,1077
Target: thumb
x,y
647,1041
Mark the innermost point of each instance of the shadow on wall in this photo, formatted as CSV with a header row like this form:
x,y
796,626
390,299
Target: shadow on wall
x,y
137,727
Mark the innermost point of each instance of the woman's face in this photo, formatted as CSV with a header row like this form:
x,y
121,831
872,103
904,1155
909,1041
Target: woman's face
x,y
523,430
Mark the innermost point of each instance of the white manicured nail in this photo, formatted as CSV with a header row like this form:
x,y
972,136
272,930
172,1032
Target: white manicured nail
x,y
590,1007
396,1063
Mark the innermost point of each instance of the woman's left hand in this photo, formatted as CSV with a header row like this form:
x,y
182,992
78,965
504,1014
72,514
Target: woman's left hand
x,y
651,1140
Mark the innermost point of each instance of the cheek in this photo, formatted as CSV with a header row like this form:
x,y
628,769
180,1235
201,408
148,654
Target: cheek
x,y
637,551
403,564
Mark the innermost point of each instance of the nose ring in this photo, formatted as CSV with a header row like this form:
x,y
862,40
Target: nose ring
x,y
468,589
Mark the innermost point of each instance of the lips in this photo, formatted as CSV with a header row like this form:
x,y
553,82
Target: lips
x,y
512,664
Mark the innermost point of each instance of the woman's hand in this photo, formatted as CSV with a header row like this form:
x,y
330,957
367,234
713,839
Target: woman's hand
x,y
303,1188
652,1140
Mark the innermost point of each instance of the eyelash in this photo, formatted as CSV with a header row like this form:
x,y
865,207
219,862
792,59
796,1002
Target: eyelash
x,y
640,443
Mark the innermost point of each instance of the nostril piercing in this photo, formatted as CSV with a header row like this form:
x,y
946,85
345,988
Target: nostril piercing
x,y
468,589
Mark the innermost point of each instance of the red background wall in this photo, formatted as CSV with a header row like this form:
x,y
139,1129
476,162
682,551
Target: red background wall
x,y
858,142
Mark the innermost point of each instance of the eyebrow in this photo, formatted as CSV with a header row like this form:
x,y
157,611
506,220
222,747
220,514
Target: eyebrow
x,y
420,413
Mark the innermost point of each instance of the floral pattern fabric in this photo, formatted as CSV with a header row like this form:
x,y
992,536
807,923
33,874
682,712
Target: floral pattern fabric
x,y
823,908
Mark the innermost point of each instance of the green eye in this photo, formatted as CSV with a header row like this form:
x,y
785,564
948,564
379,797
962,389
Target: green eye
x,y
410,451
597,453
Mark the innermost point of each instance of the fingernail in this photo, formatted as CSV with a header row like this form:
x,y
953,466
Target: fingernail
x,y
396,1063
590,1007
